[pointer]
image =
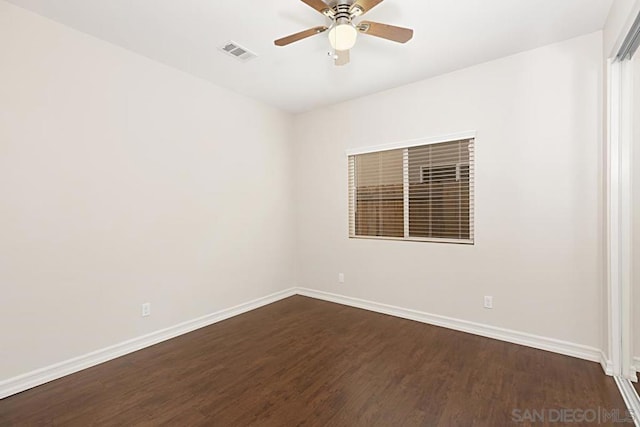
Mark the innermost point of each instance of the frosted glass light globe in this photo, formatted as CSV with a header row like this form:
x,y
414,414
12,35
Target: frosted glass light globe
x,y
343,36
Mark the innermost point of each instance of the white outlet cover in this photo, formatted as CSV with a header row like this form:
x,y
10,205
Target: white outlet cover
x,y
341,277
488,302
146,309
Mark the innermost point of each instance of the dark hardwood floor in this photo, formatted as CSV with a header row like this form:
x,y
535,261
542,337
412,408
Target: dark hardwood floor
x,y
302,361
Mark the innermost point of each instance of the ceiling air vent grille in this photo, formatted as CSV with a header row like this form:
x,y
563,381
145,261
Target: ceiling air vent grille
x,y
239,52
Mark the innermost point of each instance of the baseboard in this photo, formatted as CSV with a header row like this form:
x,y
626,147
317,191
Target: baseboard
x,y
549,344
44,375
630,397
41,376
635,368
606,363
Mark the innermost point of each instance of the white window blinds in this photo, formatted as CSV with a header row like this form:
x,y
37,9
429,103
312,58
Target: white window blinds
x,y
422,192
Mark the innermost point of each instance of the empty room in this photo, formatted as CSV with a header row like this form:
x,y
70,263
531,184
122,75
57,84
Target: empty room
x,y
319,212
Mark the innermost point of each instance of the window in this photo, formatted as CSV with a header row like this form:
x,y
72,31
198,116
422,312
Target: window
x,y
420,192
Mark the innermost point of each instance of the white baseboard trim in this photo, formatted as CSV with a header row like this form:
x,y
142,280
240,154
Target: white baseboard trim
x,y
635,368
549,344
631,399
44,375
606,363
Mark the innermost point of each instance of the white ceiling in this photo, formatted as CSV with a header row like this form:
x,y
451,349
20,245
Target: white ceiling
x,y
449,35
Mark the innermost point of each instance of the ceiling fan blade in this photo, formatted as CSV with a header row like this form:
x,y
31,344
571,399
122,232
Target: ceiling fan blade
x,y
342,57
364,5
385,31
299,36
318,5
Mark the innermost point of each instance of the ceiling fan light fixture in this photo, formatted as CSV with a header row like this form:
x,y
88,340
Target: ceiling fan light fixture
x,y
342,32
343,36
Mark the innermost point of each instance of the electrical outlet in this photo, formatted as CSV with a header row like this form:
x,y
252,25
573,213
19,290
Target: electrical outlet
x,y
340,277
146,309
488,302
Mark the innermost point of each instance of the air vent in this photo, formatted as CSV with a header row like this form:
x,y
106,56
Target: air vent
x,y
239,52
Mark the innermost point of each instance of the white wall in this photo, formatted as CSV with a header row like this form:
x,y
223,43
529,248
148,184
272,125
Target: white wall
x,y
123,181
538,195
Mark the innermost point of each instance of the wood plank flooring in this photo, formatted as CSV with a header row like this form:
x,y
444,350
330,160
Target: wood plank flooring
x,y
302,361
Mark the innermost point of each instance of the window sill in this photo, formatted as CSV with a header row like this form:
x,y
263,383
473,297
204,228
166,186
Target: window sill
x,y
417,239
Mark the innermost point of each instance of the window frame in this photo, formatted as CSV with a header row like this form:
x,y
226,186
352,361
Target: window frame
x,y
405,145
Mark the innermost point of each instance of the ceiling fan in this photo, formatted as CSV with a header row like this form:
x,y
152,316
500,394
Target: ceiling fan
x,y
343,32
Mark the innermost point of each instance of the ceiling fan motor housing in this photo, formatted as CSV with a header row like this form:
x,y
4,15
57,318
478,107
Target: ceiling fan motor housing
x,y
342,15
